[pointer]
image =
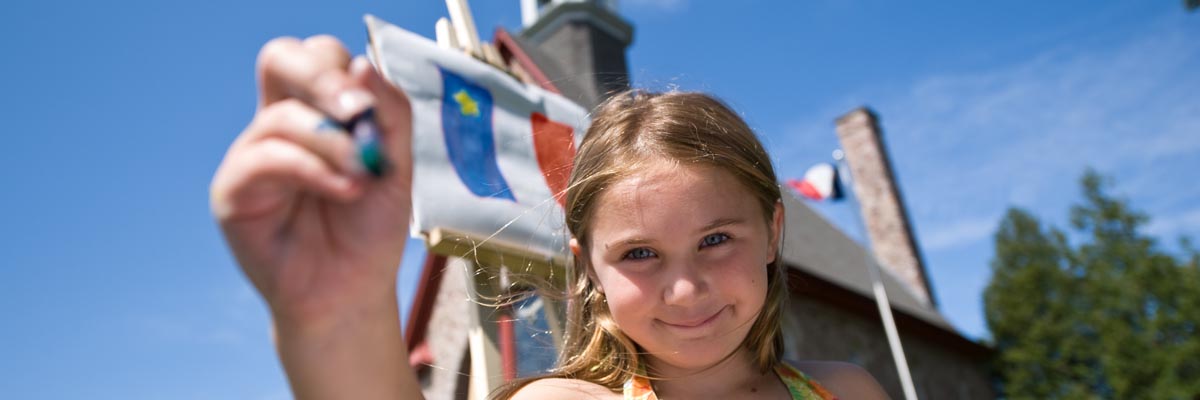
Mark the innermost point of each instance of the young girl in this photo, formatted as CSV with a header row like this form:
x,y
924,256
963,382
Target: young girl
x,y
673,207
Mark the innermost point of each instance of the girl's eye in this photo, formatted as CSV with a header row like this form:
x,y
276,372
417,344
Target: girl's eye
x,y
713,239
639,253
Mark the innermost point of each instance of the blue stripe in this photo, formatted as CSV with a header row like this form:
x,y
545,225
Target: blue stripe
x,y
470,144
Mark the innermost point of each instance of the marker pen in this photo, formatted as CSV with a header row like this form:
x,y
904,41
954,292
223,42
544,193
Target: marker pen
x,y
365,132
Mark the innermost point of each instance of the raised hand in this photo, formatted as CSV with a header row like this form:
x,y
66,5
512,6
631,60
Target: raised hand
x,y
319,237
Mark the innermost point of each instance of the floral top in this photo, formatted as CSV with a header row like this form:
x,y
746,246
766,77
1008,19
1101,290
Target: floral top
x,y
799,385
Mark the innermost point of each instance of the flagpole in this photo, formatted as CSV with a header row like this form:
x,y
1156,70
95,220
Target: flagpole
x,y
881,299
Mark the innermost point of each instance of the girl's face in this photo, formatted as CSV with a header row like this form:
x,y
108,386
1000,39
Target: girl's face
x,y
680,252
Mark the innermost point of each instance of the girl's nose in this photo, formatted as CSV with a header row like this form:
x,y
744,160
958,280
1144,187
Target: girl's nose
x,y
685,286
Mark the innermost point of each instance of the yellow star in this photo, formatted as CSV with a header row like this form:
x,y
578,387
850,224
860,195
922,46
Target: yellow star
x,y
466,105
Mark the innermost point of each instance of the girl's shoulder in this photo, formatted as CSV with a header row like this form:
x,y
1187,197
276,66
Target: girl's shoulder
x,y
845,380
562,388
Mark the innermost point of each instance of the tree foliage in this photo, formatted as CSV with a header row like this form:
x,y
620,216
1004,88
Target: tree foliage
x,y
1104,314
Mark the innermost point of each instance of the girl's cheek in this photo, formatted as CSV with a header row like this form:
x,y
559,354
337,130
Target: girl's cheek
x,y
739,268
733,259
618,287
626,306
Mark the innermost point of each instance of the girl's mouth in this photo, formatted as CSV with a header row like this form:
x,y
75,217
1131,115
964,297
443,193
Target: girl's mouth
x,y
695,323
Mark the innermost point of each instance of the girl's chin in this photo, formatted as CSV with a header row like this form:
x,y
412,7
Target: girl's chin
x,y
690,359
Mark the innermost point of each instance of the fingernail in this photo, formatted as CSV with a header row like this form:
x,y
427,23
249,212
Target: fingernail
x,y
358,65
353,101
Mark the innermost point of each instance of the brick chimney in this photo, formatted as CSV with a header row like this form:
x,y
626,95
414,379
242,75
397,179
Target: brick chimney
x,y
586,39
882,207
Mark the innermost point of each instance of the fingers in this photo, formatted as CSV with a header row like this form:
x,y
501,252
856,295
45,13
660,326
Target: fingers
x,y
263,179
294,121
318,71
280,61
288,160
283,152
313,71
329,52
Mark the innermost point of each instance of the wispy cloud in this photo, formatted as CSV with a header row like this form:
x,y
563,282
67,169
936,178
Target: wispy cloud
x,y
232,317
187,330
970,144
958,232
665,5
1167,227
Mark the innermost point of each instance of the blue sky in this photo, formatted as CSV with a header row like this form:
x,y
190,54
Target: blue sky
x,y
116,283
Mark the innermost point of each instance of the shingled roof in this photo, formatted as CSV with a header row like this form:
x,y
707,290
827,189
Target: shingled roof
x,y
813,245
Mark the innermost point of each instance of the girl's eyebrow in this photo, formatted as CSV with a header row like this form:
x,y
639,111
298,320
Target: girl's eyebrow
x,y
633,241
627,242
719,222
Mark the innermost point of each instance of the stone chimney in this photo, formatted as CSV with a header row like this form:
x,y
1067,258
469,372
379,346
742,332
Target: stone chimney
x,y
586,39
878,194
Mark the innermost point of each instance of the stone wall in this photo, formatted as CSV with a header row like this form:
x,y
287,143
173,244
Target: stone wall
x,y
820,331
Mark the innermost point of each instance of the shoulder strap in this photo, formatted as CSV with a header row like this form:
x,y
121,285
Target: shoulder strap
x,y
638,388
800,385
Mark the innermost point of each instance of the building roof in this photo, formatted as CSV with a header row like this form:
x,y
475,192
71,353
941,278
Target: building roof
x,y
813,245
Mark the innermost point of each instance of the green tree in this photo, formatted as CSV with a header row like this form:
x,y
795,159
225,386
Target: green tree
x,y
1109,316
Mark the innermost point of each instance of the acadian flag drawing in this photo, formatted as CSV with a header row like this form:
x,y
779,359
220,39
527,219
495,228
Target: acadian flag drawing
x,y
491,155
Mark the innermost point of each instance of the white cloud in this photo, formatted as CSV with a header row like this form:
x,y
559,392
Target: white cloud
x,y
187,330
973,143
231,316
958,233
665,5
1167,227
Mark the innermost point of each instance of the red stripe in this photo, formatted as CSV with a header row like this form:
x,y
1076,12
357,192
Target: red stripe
x,y
554,146
806,189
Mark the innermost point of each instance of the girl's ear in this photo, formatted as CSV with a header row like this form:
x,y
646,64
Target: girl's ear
x,y
776,231
580,261
574,244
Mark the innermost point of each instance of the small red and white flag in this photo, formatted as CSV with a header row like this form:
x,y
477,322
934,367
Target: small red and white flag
x,y
820,183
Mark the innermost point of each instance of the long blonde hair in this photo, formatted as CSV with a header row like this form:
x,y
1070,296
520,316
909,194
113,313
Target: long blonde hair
x,y
628,129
